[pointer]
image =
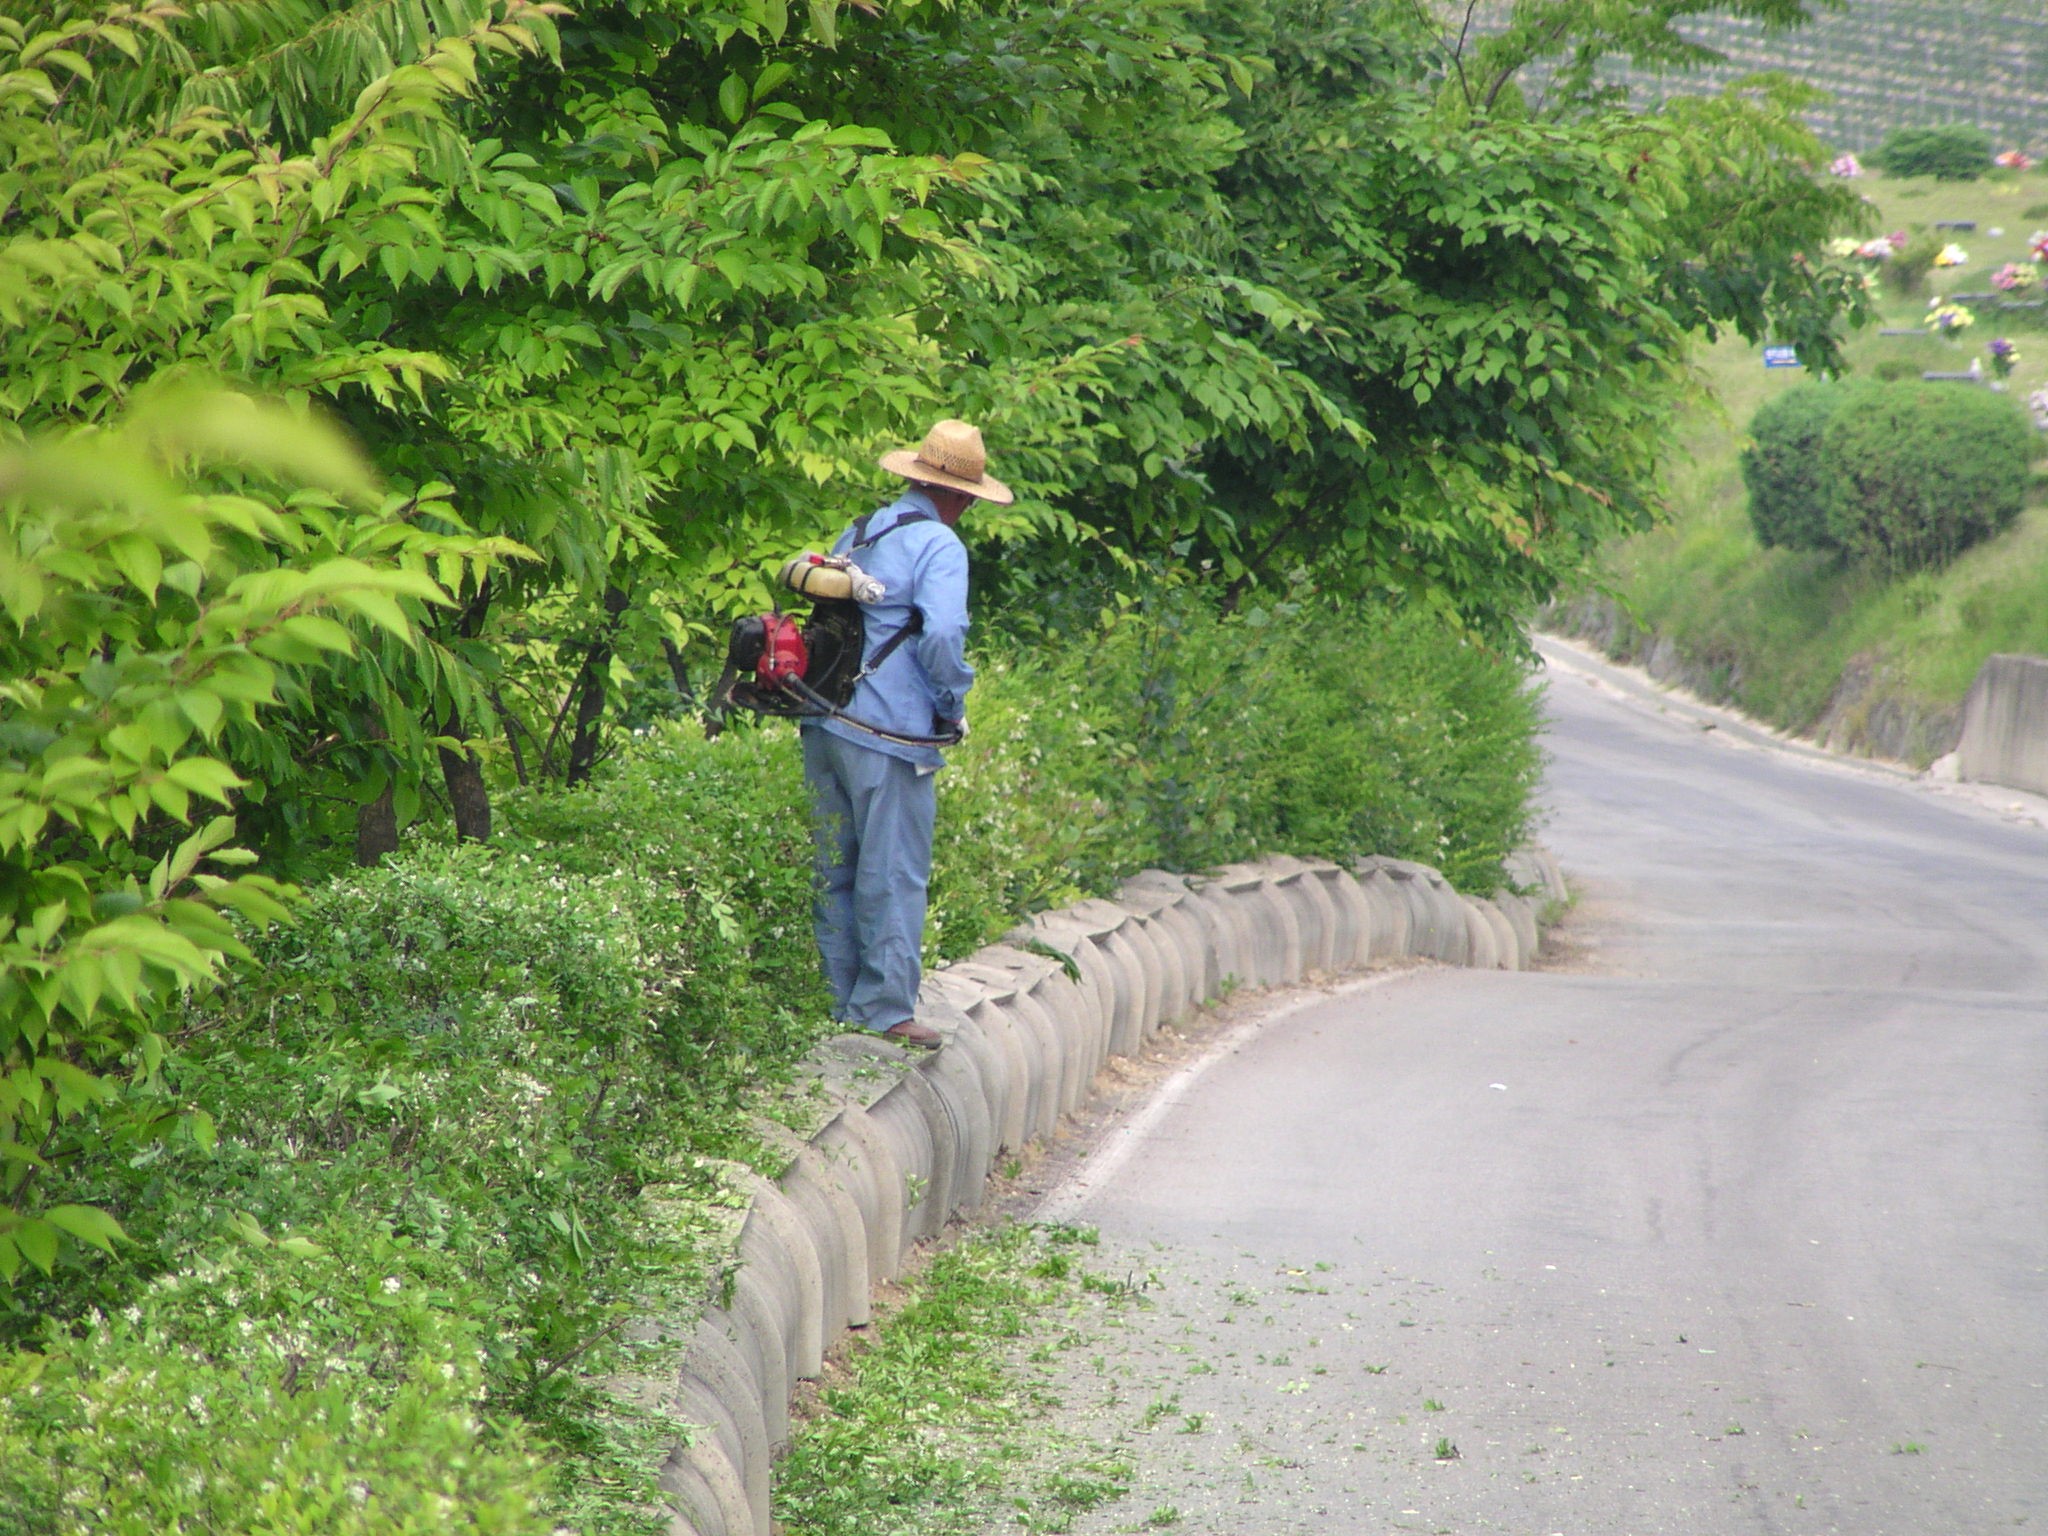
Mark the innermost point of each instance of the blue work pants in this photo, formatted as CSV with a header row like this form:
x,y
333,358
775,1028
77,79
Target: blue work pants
x,y
873,816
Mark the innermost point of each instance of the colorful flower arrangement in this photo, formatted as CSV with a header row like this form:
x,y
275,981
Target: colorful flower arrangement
x,y
1952,255
2037,244
2003,354
2014,275
2013,159
1880,249
1848,167
1947,319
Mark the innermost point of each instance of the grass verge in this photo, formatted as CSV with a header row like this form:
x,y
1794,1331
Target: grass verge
x,y
937,1422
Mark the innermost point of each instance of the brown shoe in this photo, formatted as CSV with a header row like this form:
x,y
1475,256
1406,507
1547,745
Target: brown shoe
x,y
910,1032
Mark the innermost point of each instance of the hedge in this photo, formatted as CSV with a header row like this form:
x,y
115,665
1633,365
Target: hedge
x,y
1918,472
1950,152
1782,467
379,1303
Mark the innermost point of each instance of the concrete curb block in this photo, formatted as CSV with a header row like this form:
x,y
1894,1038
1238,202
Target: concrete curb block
x,y
908,1142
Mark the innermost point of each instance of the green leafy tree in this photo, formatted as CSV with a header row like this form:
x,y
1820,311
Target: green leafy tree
x,y
155,601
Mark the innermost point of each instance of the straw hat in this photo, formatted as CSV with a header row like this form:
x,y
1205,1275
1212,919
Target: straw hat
x,y
951,455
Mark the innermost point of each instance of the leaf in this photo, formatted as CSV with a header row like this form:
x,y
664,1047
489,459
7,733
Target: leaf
x,y
88,1224
732,99
38,1243
206,776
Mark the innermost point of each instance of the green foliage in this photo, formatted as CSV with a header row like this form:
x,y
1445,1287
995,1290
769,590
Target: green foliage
x,y
1783,470
1898,475
225,1403
467,1107
1906,273
1951,152
639,293
1916,473
1168,736
150,617
472,1087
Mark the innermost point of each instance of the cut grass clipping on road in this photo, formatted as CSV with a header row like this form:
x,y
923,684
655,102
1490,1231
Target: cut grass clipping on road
x,y
939,1420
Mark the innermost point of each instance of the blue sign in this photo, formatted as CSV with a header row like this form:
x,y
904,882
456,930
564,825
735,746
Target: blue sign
x,y
1782,357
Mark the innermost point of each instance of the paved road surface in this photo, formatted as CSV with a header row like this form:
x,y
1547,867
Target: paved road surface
x,y
1740,1224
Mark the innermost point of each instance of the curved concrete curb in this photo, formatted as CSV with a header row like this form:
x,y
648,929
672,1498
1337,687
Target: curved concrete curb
x,y
906,1142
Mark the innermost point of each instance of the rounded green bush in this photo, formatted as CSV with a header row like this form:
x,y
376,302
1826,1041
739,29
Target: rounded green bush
x,y
1951,152
1918,472
1781,466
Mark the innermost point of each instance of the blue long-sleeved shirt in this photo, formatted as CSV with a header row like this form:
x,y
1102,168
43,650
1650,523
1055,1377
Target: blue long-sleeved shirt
x,y
923,565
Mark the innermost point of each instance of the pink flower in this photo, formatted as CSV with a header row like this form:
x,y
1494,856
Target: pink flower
x,y
1847,167
2013,159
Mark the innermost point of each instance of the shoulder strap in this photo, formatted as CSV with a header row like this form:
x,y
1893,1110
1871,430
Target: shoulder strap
x,y
860,528
915,623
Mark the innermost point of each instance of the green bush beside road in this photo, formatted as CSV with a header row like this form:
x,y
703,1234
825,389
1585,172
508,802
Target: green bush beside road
x,y
1913,473
1899,475
448,1096
1783,471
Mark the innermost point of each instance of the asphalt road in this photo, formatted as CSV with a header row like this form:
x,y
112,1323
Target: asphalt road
x,y
1738,1223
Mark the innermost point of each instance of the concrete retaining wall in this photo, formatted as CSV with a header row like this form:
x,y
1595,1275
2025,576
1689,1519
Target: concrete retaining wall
x,y
907,1141
2005,725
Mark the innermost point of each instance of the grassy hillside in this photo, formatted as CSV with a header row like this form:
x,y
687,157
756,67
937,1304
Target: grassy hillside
x,y
1799,638
1893,63
1886,63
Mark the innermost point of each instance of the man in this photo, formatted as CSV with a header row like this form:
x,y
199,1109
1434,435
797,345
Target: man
x,y
874,796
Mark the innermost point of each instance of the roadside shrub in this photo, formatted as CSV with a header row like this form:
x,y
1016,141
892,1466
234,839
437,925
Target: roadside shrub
x,y
1918,472
1782,468
1951,152
1303,726
230,1401
471,1109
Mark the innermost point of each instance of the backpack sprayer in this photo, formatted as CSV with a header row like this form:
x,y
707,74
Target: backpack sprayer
x,y
809,671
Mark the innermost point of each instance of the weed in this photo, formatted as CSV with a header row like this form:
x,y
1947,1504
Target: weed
x,y
1445,1450
1103,1285
1908,1448
1431,1405
1163,1516
1160,1408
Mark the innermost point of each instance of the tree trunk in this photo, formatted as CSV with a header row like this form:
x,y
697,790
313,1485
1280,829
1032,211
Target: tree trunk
x,y
376,829
468,796
679,674
590,691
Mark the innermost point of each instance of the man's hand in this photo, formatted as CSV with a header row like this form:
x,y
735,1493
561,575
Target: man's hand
x,y
957,729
